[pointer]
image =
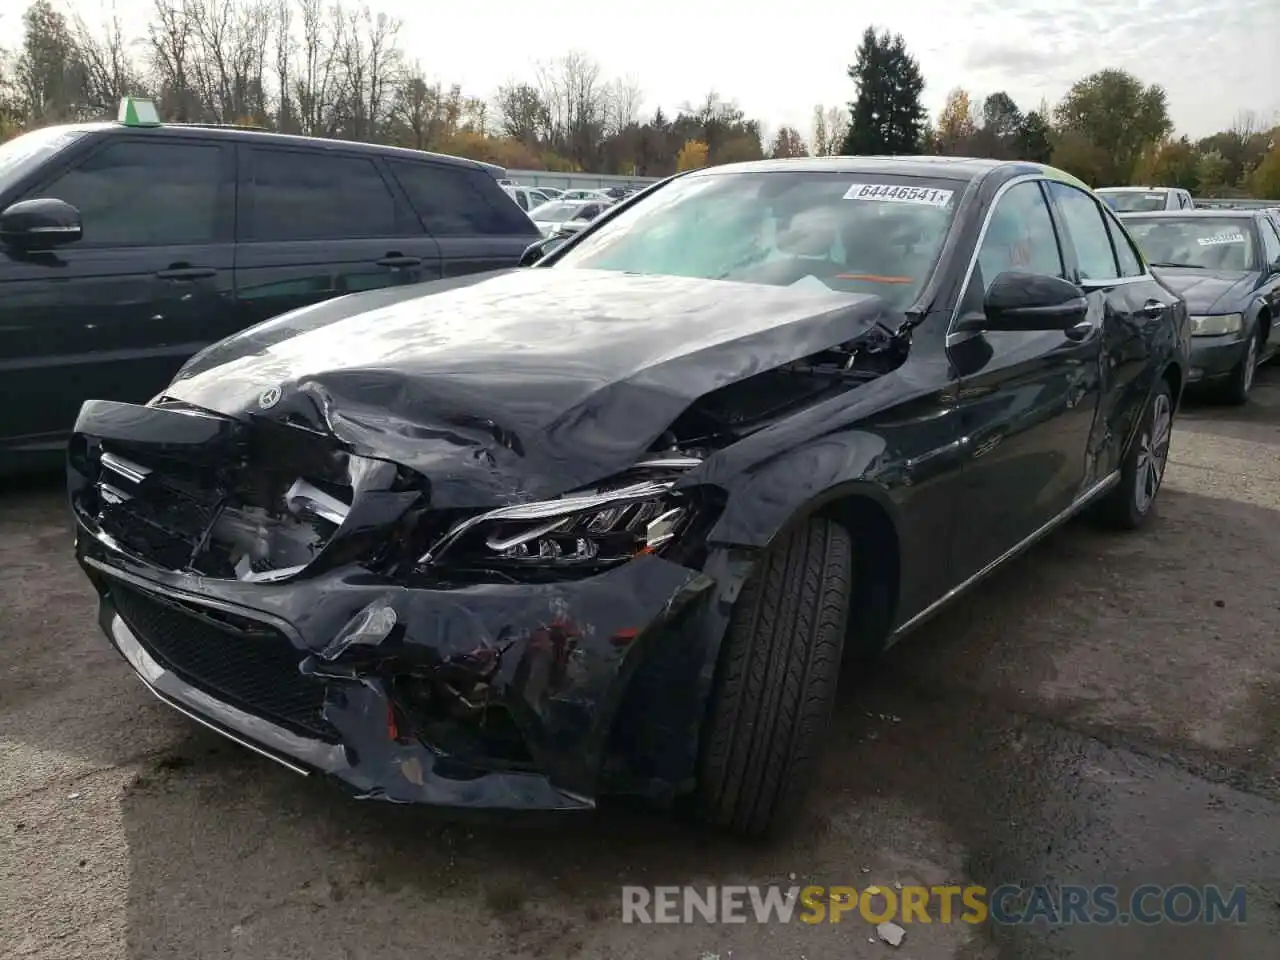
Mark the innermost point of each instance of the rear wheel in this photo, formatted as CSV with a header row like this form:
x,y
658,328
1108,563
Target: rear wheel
x,y
1132,500
776,679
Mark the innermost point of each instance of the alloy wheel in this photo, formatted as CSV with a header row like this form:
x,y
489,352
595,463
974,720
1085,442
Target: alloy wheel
x,y
1153,452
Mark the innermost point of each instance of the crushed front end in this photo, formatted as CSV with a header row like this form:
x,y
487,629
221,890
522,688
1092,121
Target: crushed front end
x,y
312,604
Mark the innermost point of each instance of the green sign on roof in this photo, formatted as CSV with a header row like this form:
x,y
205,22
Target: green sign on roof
x,y
138,112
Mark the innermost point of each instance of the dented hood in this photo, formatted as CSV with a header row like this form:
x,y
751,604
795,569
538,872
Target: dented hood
x,y
520,384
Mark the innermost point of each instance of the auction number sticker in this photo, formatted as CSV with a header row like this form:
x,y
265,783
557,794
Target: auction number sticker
x,y
891,193
1218,238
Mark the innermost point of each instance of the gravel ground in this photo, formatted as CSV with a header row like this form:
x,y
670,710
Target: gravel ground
x,y
1107,710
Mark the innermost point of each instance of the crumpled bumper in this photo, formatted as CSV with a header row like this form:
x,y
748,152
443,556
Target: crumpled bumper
x,y
606,672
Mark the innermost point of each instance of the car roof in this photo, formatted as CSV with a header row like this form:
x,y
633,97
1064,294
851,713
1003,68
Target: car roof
x,y
1201,213
1134,189
949,168
268,137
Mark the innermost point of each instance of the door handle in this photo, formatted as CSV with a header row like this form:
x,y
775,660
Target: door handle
x,y
187,273
1154,309
394,260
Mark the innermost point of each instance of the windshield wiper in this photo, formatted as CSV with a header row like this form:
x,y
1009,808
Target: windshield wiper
x,y
1189,266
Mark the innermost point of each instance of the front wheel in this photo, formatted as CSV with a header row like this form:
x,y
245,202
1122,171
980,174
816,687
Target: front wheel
x,y
1238,388
775,681
1133,499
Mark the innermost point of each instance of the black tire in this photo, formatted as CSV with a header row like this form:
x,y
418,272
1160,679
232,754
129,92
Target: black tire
x,y
1123,507
1237,389
775,681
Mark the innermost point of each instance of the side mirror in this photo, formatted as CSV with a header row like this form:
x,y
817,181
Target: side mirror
x,y
1028,301
40,224
540,248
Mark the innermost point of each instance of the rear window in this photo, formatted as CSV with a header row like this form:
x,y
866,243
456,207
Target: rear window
x,y
1136,201
1206,243
455,201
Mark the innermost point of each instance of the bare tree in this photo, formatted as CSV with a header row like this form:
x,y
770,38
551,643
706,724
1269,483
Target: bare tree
x,y
171,48
109,72
830,124
622,100
370,64
416,110
575,99
522,113
316,76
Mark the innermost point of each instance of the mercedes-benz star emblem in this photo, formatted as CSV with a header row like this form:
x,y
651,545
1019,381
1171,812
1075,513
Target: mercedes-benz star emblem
x,y
269,398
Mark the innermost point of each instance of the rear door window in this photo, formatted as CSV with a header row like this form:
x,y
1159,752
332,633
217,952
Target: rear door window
x,y
1126,254
310,195
1083,219
456,201
144,193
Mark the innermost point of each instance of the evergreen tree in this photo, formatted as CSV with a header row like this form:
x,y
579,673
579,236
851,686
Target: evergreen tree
x,y
1032,141
887,117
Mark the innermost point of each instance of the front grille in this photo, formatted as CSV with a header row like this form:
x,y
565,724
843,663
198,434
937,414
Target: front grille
x,y
241,662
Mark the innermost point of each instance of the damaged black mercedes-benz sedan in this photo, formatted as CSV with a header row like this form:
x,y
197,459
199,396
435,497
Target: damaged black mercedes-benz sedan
x,y
609,523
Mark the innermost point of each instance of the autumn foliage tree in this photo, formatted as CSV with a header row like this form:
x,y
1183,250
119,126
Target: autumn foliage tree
x,y
692,155
954,134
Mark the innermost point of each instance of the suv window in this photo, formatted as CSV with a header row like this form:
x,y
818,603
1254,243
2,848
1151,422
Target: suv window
x,y
134,193
1083,219
1270,242
308,195
1126,255
455,201
1020,237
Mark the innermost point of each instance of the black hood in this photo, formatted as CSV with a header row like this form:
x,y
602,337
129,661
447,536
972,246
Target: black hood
x,y
1209,291
519,384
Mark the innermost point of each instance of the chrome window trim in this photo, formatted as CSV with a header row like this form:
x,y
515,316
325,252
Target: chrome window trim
x,y
952,337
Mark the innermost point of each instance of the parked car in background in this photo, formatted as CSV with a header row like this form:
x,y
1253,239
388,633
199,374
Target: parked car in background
x,y
578,194
552,193
1226,265
567,216
1138,199
126,247
526,198
609,524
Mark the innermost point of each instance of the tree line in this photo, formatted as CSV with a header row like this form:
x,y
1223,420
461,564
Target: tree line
x,y
331,68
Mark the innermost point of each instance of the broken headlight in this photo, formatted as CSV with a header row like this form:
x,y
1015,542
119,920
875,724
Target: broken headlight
x,y
592,528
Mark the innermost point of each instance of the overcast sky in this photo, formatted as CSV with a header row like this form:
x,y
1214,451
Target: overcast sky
x,y
777,59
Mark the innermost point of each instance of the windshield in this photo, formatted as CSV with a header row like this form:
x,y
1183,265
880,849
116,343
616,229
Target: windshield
x,y
1136,201
32,149
850,232
1208,243
556,212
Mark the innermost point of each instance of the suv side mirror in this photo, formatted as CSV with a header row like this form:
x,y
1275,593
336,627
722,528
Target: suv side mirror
x,y
40,224
540,248
1028,301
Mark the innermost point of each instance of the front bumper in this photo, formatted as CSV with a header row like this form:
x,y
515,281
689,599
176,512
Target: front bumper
x,y
1213,358
240,658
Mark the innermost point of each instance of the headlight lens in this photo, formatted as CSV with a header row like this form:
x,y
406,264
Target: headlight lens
x,y
584,529
1216,324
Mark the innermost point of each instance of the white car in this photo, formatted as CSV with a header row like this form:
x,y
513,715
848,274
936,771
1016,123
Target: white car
x,y
580,194
566,216
526,198
1145,199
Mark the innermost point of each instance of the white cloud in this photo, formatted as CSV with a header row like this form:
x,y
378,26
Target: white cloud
x,y
778,59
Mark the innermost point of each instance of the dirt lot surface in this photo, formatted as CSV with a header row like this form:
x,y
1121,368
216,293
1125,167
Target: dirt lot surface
x,y
1107,710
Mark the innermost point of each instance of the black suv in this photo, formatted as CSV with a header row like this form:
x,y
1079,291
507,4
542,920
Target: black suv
x,y
124,249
